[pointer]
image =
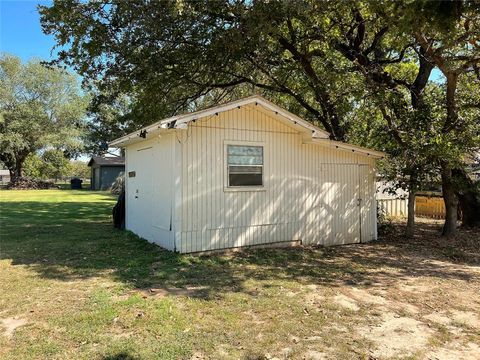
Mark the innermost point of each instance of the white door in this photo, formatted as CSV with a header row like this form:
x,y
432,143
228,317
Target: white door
x,y
162,185
344,210
348,216
140,179
340,213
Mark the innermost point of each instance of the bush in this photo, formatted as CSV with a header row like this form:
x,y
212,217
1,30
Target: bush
x,y
385,223
23,183
118,186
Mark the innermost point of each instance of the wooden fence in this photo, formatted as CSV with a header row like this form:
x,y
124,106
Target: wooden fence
x,y
432,207
393,207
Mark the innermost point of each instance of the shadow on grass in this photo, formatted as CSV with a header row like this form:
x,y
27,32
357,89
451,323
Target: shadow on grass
x,y
120,356
75,240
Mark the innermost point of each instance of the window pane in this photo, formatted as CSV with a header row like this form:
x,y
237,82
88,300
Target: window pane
x,y
245,179
245,169
244,160
245,165
245,155
245,150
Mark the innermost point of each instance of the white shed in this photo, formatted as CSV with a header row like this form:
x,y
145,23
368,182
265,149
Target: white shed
x,y
246,173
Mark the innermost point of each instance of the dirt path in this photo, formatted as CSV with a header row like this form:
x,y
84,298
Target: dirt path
x,y
413,299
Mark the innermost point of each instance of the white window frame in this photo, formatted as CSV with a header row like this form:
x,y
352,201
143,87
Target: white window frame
x,y
226,187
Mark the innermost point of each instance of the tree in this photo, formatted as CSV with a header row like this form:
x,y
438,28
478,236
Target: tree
x,y
406,134
79,169
32,167
50,164
40,107
108,119
369,39
170,54
456,52
55,165
320,60
395,76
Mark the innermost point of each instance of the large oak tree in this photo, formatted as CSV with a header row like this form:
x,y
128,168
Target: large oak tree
x,y
319,59
40,108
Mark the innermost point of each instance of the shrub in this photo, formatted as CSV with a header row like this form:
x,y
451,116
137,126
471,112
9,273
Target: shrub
x,y
118,186
23,183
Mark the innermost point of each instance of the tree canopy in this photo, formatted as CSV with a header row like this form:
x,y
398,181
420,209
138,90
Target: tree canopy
x,y
362,70
40,108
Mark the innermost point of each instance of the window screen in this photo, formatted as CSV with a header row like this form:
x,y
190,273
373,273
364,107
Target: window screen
x,y
245,165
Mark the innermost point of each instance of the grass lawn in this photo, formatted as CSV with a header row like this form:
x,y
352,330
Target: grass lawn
x,y
73,287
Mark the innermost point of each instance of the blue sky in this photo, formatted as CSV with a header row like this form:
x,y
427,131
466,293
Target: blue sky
x,y
20,31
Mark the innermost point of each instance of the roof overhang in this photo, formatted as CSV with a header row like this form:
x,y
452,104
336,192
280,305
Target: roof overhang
x,y
105,161
348,147
311,133
180,122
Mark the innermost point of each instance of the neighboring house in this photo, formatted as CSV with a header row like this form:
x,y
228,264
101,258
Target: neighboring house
x,y
105,170
246,173
391,204
4,177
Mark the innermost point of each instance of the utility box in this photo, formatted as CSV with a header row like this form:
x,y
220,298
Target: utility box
x,y
76,183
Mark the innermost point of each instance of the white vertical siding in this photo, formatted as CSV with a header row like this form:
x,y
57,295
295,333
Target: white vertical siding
x,y
311,191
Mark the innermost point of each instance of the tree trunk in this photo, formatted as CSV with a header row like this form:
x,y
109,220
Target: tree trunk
x,y
468,196
20,169
409,232
450,199
17,171
448,188
452,115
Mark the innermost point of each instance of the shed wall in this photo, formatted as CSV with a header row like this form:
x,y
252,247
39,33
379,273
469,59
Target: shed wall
x,y
108,175
103,177
311,191
149,181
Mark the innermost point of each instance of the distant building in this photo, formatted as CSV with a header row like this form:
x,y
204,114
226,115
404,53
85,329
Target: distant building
x,y
105,170
4,177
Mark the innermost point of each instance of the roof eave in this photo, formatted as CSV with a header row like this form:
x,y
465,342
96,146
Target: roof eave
x,y
179,120
349,147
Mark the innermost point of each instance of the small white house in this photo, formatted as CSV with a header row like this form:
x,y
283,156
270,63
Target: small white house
x,y
4,177
246,173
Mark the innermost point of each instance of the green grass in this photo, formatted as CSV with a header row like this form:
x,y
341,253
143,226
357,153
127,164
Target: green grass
x,y
80,283
89,291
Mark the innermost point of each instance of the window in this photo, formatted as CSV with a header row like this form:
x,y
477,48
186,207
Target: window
x,y
244,165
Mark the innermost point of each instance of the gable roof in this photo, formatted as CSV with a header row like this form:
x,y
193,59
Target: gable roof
x,y
107,161
181,122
